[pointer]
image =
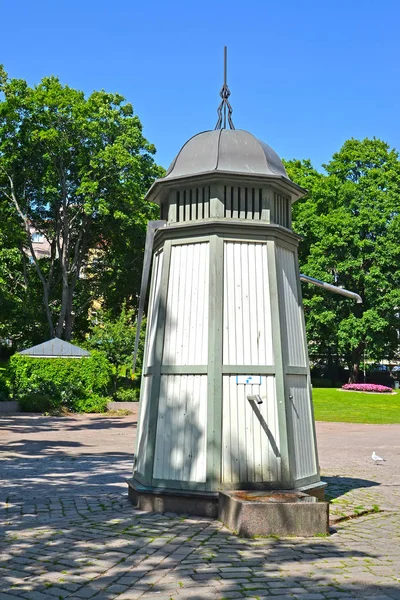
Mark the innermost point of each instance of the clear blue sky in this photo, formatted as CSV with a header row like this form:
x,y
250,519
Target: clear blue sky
x,y
305,75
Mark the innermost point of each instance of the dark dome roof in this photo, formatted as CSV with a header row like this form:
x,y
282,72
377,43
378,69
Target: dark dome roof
x,y
232,150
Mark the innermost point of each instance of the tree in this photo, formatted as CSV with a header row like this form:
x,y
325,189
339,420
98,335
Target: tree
x,y
115,337
76,169
18,300
350,221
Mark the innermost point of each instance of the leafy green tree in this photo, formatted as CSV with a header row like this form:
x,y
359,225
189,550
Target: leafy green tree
x,y
18,299
350,222
76,169
115,337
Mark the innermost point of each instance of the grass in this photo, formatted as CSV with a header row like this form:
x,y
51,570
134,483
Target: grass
x,y
355,407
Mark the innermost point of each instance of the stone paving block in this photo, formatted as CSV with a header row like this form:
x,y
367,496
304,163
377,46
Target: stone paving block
x,y
35,596
281,597
127,580
311,596
157,597
202,594
131,595
227,595
94,533
58,592
86,592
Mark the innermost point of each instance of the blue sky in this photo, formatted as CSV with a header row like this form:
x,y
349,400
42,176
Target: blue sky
x,y
305,75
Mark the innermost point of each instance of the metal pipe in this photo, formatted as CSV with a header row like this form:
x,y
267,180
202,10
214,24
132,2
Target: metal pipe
x,y
331,288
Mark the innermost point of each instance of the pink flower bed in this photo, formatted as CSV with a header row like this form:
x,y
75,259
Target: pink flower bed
x,y
367,387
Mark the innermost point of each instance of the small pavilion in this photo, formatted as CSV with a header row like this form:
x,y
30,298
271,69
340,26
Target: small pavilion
x,y
55,348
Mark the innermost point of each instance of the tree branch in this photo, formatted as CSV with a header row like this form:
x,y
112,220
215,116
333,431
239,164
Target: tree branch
x,y
26,222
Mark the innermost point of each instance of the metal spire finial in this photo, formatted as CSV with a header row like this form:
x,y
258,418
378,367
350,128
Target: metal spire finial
x,y
225,106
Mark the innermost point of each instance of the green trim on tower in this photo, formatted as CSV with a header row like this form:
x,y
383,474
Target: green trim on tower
x,y
156,368
278,349
214,404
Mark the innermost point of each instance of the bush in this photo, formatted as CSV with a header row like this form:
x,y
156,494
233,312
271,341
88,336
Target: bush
x,y
36,403
324,383
4,391
127,395
367,387
91,404
68,382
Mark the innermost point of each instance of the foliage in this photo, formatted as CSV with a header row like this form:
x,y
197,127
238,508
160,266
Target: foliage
x,y
92,404
115,337
353,407
37,402
367,387
4,391
75,169
127,395
350,224
320,382
18,301
64,381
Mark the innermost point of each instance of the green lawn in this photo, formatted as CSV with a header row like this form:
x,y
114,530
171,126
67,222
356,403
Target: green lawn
x,y
355,407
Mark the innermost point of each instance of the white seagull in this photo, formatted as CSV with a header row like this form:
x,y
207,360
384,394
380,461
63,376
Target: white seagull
x,y
376,458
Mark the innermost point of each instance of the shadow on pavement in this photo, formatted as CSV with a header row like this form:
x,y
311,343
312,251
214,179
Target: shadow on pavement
x,y
167,555
36,424
337,485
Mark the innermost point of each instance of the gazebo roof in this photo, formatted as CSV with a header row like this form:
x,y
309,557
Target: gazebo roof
x,y
55,348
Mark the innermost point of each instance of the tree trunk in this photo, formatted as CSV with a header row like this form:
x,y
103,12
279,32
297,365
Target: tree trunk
x,y
64,304
354,365
69,318
354,372
47,309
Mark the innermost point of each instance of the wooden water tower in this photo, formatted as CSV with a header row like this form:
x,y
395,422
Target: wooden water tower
x,y
226,397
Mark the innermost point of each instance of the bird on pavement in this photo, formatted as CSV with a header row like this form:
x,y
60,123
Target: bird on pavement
x,y
377,458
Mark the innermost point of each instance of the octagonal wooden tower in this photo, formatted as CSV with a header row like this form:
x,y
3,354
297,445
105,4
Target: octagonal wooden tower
x,y
226,397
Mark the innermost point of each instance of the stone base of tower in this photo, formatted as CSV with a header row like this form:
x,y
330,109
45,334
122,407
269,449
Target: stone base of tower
x,y
201,504
278,517
281,512
314,489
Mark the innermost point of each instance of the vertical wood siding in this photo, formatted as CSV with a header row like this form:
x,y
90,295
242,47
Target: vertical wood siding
x,y
190,205
154,303
180,452
247,311
302,426
186,325
249,453
295,340
143,424
244,203
282,210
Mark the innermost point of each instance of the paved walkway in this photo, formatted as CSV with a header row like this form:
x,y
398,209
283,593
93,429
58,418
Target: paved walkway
x,y
68,530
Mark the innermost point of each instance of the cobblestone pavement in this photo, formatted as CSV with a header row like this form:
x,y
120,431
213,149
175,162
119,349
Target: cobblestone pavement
x,y
68,530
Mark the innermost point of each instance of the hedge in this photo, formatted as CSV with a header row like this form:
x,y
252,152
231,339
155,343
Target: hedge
x,y
41,384
4,391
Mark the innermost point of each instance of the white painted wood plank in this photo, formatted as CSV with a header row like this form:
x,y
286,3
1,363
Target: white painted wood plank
x,y
248,202
242,202
186,332
303,432
248,455
154,307
143,424
180,452
235,203
180,401
293,312
247,335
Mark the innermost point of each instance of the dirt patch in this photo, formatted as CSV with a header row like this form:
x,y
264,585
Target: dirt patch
x,y
268,496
